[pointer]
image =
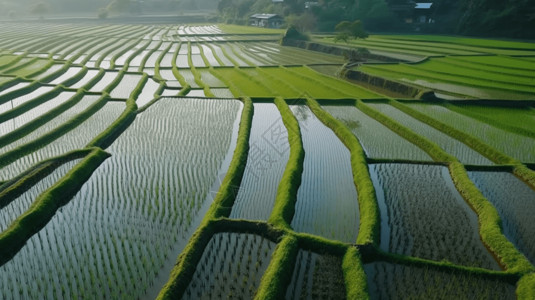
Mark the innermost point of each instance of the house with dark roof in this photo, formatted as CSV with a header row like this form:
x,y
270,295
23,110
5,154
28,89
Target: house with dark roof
x,y
422,12
266,20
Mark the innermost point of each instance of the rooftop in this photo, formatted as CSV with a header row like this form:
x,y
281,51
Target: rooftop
x,y
423,5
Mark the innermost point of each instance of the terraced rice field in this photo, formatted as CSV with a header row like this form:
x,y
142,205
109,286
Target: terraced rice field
x,y
327,203
208,161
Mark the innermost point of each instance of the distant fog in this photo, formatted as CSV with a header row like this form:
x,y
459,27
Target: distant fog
x,y
14,9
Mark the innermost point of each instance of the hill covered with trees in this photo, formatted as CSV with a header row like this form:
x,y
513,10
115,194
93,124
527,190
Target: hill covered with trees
x,y
509,18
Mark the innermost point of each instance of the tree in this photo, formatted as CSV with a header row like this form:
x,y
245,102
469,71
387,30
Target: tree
x,y
347,30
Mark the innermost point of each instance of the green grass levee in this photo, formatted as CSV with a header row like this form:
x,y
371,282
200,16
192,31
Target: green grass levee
x,y
46,205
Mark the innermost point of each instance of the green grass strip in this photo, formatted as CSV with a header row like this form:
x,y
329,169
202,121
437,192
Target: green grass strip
x,y
284,208
237,92
526,287
42,141
149,54
183,271
489,223
94,80
434,151
21,66
157,74
527,175
226,195
134,54
444,266
356,281
491,121
120,53
320,244
56,74
279,273
108,136
179,77
41,120
187,261
42,70
20,184
76,77
24,107
472,142
184,91
369,228
115,82
14,61
232,60
45,205
197,75
9,83
19,92
217,58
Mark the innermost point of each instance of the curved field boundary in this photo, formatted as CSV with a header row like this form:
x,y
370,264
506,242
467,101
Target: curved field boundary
x,y
491,121
355,279
42,69
134,54
94,80
197,75
157,74
284,207
122,51
526,287
226,195
107,48
520,170
146,57
39,121
19,92
10,82
278,276
46,205
405,70
379,255
80,52
279,272
24,107
107,137
13,61
489,221
56,74
472,142
221,207
77,77
17,186
13,155
369,208
432,149
17,67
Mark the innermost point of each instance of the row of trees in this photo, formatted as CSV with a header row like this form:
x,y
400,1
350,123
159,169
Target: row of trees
x,y
506,18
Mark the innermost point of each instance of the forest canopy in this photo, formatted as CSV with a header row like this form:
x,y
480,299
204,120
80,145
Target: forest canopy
x,y
505,18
